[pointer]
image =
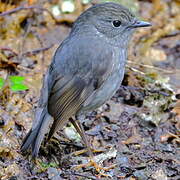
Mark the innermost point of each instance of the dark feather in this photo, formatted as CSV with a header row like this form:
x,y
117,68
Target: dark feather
x,y
65,104
36,135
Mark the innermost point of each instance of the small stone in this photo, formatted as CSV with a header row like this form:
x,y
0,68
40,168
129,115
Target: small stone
x,y
54,174
68,6
159,175
140,175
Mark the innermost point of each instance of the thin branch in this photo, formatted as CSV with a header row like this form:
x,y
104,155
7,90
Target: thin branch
x,y
151,67
27,7
135,70
8,49
64,17
36,51
28,53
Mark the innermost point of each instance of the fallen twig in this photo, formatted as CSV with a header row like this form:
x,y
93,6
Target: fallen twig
x,y
149,66
27,7
28,53
36,51
8,49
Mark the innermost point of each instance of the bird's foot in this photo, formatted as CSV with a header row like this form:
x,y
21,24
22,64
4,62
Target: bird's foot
x,y
86,150
98,168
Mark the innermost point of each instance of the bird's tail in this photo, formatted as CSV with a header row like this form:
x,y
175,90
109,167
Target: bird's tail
x,y
35,136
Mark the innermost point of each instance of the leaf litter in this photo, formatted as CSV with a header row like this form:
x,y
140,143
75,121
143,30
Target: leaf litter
x,y
137,130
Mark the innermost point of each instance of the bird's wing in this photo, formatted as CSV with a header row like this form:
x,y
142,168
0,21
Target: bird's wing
x,y
77,71
66,102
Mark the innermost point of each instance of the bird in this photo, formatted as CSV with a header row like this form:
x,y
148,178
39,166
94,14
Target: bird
x,y
86,71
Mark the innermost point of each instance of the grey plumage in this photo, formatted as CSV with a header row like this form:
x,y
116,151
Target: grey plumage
x,y
86,70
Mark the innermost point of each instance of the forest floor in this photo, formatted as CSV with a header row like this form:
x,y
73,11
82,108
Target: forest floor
x,y
137,132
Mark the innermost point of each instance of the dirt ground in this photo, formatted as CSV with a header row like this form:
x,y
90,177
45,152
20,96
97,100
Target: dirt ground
x,y
135,135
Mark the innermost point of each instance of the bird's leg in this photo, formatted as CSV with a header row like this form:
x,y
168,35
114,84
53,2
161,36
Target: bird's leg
x,y
78,126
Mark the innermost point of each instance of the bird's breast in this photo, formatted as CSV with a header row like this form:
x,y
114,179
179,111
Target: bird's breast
x,y
110,85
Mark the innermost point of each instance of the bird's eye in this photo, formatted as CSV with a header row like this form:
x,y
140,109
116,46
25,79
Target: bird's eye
x,y
116,23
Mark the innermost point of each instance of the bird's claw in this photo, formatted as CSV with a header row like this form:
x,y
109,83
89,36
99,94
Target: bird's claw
x,y
96,166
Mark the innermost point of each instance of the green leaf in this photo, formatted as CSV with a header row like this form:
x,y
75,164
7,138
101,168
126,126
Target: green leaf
x,y
16,79
18,87
16,83
48,165
1,82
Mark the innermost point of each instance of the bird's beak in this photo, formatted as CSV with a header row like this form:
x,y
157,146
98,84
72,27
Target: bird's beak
x,y
138,24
